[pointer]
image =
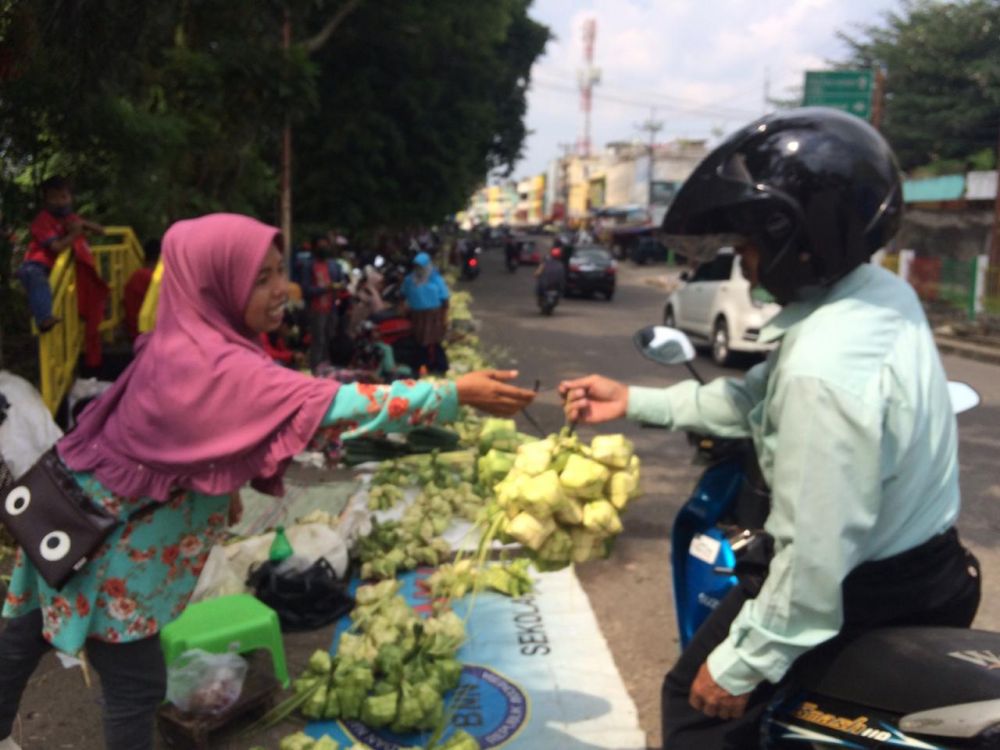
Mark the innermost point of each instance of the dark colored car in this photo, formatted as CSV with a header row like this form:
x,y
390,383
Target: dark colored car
x,y
648,250
591,269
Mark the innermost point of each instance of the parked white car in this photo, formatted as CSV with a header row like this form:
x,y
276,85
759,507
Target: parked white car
x,y
713,306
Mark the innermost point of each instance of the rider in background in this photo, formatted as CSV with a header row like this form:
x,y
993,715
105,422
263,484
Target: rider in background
x,y
551,273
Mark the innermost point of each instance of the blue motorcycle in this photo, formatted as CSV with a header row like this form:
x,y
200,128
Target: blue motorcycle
x,y
910,687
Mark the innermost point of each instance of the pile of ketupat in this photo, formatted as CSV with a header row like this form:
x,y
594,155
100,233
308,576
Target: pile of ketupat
x,y
391,670
560,498
398,546
455,580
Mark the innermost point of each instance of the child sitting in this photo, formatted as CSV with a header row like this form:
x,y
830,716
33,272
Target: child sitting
x,y
54,229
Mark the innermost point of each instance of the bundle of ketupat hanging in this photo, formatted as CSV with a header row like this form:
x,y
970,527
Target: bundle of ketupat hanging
x,y
561,499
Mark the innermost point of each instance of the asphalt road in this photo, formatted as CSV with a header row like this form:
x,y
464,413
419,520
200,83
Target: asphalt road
x,y
631,592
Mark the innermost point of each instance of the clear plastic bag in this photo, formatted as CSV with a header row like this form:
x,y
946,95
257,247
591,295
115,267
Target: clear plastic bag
x,y
202,683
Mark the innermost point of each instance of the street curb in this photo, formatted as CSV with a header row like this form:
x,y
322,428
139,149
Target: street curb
x,y
978,352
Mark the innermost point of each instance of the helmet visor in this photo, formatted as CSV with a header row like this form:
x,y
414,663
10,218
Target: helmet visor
x,y
723,206
701,247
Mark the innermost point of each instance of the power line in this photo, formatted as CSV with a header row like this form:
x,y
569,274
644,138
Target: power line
x,y
667,99
692,111
662,103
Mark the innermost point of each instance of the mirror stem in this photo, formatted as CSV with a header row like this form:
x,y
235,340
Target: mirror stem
x,y
695,373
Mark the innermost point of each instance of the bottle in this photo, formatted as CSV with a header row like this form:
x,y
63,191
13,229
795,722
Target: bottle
x,y
281,548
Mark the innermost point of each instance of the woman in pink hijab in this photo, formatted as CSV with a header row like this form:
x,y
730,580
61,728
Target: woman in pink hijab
x,y
201,411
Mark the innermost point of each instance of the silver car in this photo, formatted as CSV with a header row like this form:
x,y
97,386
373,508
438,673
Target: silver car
x,y
714,307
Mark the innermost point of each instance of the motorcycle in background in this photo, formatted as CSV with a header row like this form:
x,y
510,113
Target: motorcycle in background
x,y
548,300
936,688
470,263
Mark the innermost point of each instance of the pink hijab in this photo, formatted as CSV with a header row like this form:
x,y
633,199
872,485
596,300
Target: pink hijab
x,y
202,407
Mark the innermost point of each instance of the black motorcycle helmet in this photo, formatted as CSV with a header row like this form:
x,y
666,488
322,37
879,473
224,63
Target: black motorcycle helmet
x,y
815,189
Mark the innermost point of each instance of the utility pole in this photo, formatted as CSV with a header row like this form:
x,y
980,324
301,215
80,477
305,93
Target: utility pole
x,y
651,126
878,98
767,91
567,149
286,155
587,77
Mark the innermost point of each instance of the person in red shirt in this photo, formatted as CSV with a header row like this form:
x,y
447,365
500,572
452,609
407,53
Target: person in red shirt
x,y
54,229
323,280
137,286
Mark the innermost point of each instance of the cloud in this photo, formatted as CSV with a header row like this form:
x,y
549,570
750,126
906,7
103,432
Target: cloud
x,y
700,63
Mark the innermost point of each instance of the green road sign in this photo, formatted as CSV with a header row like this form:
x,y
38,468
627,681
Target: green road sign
x,y
849,90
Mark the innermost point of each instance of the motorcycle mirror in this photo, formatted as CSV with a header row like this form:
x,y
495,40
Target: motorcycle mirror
x,y
963,396
666,346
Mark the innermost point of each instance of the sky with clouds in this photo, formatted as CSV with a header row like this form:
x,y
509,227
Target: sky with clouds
x,y
702,64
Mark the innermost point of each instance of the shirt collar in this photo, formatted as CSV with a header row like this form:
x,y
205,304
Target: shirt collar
x,y
795,312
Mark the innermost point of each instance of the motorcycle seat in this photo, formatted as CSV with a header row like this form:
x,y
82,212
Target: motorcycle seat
x,y
909,669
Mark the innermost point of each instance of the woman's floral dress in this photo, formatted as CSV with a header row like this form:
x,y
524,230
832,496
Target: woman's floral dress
x,y
143,576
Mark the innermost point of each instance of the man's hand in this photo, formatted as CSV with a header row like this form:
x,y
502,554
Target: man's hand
x,y
487,391
713,700
594,399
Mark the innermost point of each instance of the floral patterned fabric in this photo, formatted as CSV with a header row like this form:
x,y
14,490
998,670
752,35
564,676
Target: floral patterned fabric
x,y
143,576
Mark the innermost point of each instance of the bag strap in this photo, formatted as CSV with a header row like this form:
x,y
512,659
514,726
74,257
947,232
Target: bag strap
x,y
6,477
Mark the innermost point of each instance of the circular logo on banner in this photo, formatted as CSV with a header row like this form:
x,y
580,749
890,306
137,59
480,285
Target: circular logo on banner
x,y
485,704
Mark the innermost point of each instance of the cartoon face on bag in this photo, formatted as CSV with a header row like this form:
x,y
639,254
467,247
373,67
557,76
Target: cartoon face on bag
x,y
53,521
54,545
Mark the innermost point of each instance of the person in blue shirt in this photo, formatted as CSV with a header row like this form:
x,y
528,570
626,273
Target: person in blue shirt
x,y
850,416
426,294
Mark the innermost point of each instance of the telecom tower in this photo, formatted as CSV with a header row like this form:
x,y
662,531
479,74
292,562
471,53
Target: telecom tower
x,y
587,76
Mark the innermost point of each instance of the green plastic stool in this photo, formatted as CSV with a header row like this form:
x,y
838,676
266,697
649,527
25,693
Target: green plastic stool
x,y
239,621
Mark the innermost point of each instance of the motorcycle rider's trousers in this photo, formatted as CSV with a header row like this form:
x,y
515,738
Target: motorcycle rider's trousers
x,y
934,584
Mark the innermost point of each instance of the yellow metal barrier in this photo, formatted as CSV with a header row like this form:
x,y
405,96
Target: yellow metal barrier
x,y
147,315
117,254
59,348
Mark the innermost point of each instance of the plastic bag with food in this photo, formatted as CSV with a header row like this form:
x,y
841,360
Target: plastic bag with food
x,y
202,683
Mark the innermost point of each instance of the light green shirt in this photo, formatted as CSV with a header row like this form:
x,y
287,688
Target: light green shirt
x,y
855,435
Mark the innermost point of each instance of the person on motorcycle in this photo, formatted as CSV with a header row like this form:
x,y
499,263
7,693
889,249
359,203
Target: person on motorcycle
x,y
850,417
510,251
551,273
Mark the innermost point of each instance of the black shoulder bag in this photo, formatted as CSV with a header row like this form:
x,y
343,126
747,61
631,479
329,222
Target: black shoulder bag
x,y
55,522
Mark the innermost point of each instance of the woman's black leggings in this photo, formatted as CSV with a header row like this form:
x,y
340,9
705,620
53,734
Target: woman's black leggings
x,y
133,680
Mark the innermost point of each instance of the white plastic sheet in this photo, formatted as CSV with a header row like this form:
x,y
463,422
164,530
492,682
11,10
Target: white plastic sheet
x,y
29,429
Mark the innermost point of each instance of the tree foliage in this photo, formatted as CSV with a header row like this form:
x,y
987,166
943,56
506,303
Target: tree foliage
x,y
943,79
419,100
165,110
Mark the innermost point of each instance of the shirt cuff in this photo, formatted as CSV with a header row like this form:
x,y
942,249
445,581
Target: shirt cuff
x,y
649,405
730,671
448,392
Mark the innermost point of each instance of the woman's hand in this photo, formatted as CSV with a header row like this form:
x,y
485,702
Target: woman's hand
x,y
593,399
487,390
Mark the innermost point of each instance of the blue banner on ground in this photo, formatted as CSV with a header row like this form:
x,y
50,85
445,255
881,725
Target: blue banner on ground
x,y
538,674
